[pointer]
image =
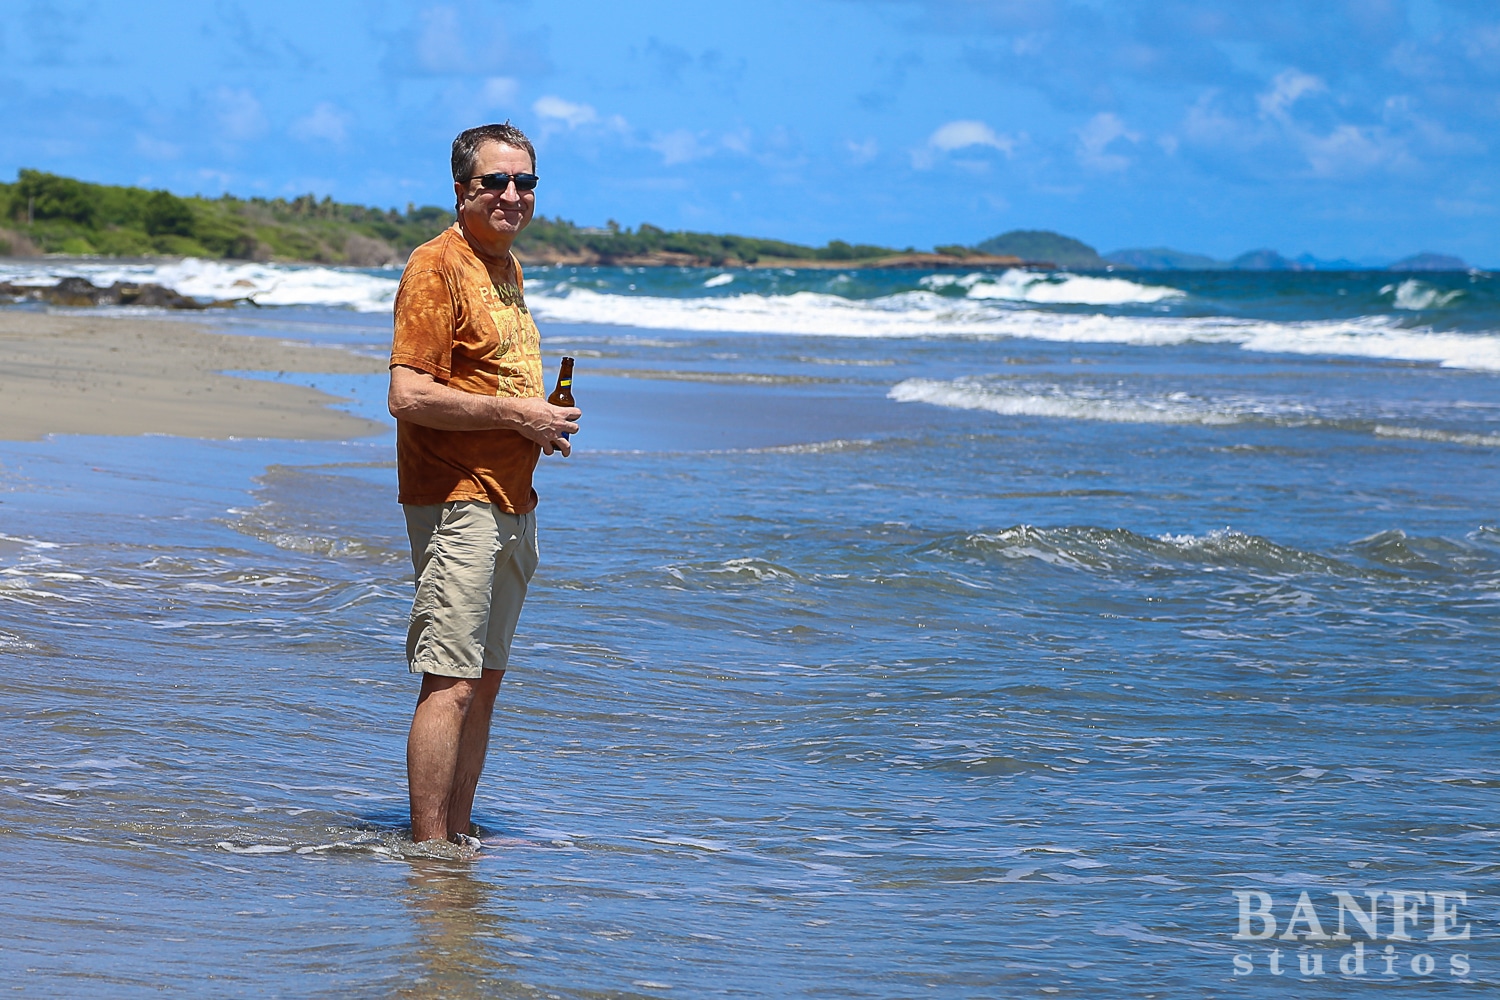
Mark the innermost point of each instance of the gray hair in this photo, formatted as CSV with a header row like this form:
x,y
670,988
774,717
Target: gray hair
x,y
466,146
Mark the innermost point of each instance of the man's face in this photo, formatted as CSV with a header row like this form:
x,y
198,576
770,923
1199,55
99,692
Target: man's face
x,y
496,216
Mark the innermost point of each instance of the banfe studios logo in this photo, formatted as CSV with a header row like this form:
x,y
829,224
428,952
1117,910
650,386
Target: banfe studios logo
x,y
1373,934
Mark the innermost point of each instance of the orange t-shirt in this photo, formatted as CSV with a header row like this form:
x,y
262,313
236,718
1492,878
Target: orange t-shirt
x,y
460,319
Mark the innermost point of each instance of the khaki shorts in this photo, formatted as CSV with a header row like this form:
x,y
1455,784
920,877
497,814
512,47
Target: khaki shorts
x,y
473,562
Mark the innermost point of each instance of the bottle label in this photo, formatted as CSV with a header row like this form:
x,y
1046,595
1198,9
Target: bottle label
x,y
565,383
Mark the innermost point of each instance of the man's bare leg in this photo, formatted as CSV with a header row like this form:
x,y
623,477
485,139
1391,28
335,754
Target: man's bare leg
x,y
472,747
445,751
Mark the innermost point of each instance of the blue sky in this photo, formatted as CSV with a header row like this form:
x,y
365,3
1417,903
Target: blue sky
x,y
1344,128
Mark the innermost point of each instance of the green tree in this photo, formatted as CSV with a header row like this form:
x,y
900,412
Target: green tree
x,y
48,196
167,215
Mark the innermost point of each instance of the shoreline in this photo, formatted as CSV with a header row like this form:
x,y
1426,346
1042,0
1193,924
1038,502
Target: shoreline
x,y
912,261
127,376
900,261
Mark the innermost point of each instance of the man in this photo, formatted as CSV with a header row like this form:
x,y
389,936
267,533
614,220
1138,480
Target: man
x,y
466,392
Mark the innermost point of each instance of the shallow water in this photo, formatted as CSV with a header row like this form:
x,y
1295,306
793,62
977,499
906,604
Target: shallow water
x,y
951,666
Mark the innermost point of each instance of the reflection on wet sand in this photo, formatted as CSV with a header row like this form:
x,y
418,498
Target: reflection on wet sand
x,y
457,934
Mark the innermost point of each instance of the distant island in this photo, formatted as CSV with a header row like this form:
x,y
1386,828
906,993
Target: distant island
x,y
48,213
1165,259
1042,244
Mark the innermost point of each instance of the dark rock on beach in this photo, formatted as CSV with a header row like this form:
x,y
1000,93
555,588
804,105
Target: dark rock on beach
x,y
82,292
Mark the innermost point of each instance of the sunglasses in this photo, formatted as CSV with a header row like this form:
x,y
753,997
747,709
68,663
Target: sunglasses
x,y
499,182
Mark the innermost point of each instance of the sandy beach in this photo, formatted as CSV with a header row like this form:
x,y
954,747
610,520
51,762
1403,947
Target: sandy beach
x,y
93,374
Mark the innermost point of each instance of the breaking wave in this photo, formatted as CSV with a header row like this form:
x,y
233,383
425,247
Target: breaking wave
x,y
261,284
1092,549
1415,295
1110,550
1013,304
1054,289
1115,404
927,313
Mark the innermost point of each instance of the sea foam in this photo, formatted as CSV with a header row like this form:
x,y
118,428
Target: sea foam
x,y
1009,305
1417,295
262,284
1111,404
927,314
1055,289
1077,403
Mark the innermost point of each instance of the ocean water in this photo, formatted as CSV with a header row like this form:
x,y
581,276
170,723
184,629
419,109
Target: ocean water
x,y
897,635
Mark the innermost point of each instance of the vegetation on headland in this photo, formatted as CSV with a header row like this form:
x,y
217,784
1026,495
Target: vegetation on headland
x,y
560,241
1042,244
47,213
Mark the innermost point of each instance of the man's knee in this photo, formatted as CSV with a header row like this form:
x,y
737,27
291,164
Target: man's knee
x,y
457,692
485,689
463,693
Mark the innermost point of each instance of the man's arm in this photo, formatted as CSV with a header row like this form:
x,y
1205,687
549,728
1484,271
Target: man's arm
x,y
420,398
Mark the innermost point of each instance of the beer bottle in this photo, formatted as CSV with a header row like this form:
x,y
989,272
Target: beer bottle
x,y
563,394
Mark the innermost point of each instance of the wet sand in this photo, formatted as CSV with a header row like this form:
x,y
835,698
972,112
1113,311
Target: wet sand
x,y
94,374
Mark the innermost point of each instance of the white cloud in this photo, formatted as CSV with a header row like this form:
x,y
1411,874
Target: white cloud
x,y
1463,208
962,134
156,149
1206,125
1289,85
325,123
739,141
1095,138
862,152
1401,113
556,109
1482,44
440,47
499,91
1278,140
1349,149
678,146
219,179
239,113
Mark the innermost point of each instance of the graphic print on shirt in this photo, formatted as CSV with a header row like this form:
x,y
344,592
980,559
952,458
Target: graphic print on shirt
x,y
518,353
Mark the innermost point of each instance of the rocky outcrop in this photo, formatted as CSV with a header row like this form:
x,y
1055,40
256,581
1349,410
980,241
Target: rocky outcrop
x,y
14,244
82,292
367,251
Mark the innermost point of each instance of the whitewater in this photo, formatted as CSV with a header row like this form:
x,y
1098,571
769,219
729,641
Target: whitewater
x,y
1446,320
